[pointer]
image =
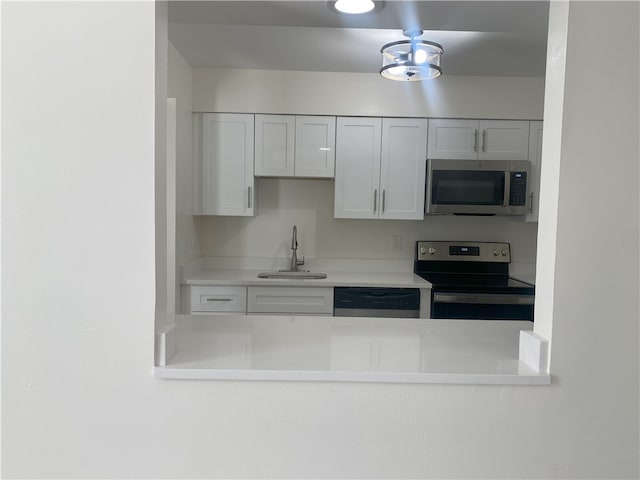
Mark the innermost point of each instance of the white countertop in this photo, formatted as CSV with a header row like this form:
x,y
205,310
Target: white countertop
x,y
334,279
317,348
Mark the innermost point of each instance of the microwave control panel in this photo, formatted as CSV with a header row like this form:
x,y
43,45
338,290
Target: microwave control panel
x,y
518,190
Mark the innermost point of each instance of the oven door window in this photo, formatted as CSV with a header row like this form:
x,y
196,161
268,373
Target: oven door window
x,y
467,187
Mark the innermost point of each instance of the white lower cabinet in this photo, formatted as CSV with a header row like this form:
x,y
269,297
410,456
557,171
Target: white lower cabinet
x,y
290,300
210,299
205,299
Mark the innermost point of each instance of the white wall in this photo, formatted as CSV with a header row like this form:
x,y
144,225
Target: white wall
x,y
550,174
600,125
179,86
164,245
308,204
78,296
328,93
79,400
282,203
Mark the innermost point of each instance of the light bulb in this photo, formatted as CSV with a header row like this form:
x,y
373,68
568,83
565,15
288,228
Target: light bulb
x,y
420,56
354,6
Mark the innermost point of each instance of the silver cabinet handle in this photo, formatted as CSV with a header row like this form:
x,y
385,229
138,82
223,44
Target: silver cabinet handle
x,y
218,299
384,194
475,140
484,140
375,201
531,202
249,198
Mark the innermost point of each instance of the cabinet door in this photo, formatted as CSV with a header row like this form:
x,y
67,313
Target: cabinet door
x,y
206,299
290,300
274,155
358,144
315,146
453,139
402,168
503,140
227,164
535,157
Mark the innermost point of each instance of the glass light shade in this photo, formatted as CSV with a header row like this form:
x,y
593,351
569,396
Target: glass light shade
x,y
411,60
354,6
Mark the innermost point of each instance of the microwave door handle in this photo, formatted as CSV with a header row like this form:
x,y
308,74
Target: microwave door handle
x,y
507,188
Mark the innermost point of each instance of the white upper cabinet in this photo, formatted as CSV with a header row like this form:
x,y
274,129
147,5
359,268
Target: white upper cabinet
x,y
358,147
315,146
403,168
295,145
535,158
274,145
380,168
455,139
478,139
503,140
224,177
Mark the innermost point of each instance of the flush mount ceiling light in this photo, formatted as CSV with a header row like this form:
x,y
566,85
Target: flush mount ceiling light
x,y
354,7
411,60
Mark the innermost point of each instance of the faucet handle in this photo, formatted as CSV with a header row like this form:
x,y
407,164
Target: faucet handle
x,y
300,262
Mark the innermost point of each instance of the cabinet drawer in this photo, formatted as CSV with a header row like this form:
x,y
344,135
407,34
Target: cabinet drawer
x,y
218,299
303,300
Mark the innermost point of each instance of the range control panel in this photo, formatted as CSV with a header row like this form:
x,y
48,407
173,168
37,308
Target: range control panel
x,y
464,251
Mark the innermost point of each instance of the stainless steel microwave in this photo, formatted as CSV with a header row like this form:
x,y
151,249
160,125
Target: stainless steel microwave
x,y
477,187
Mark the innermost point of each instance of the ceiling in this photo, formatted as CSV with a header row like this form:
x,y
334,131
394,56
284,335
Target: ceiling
x,y
502,38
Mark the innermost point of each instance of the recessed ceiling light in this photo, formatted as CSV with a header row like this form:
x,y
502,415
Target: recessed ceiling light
x,y
354,7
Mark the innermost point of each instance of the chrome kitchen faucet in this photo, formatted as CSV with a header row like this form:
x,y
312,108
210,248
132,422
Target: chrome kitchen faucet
x,y
293,265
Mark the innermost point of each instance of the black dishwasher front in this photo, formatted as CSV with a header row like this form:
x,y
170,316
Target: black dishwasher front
x,y
376,302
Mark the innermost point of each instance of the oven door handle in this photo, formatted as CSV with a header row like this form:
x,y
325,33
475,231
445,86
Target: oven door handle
x,y
483,298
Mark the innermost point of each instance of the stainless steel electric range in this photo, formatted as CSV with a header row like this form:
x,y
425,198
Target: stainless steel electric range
x,y
471,281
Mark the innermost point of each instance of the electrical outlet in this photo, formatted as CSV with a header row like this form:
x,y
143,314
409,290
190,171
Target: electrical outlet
x,y
396,241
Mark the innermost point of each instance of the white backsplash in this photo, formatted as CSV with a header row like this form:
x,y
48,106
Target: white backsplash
x,y
308,204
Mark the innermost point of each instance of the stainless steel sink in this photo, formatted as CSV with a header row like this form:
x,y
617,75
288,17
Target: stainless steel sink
x,y
298,275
